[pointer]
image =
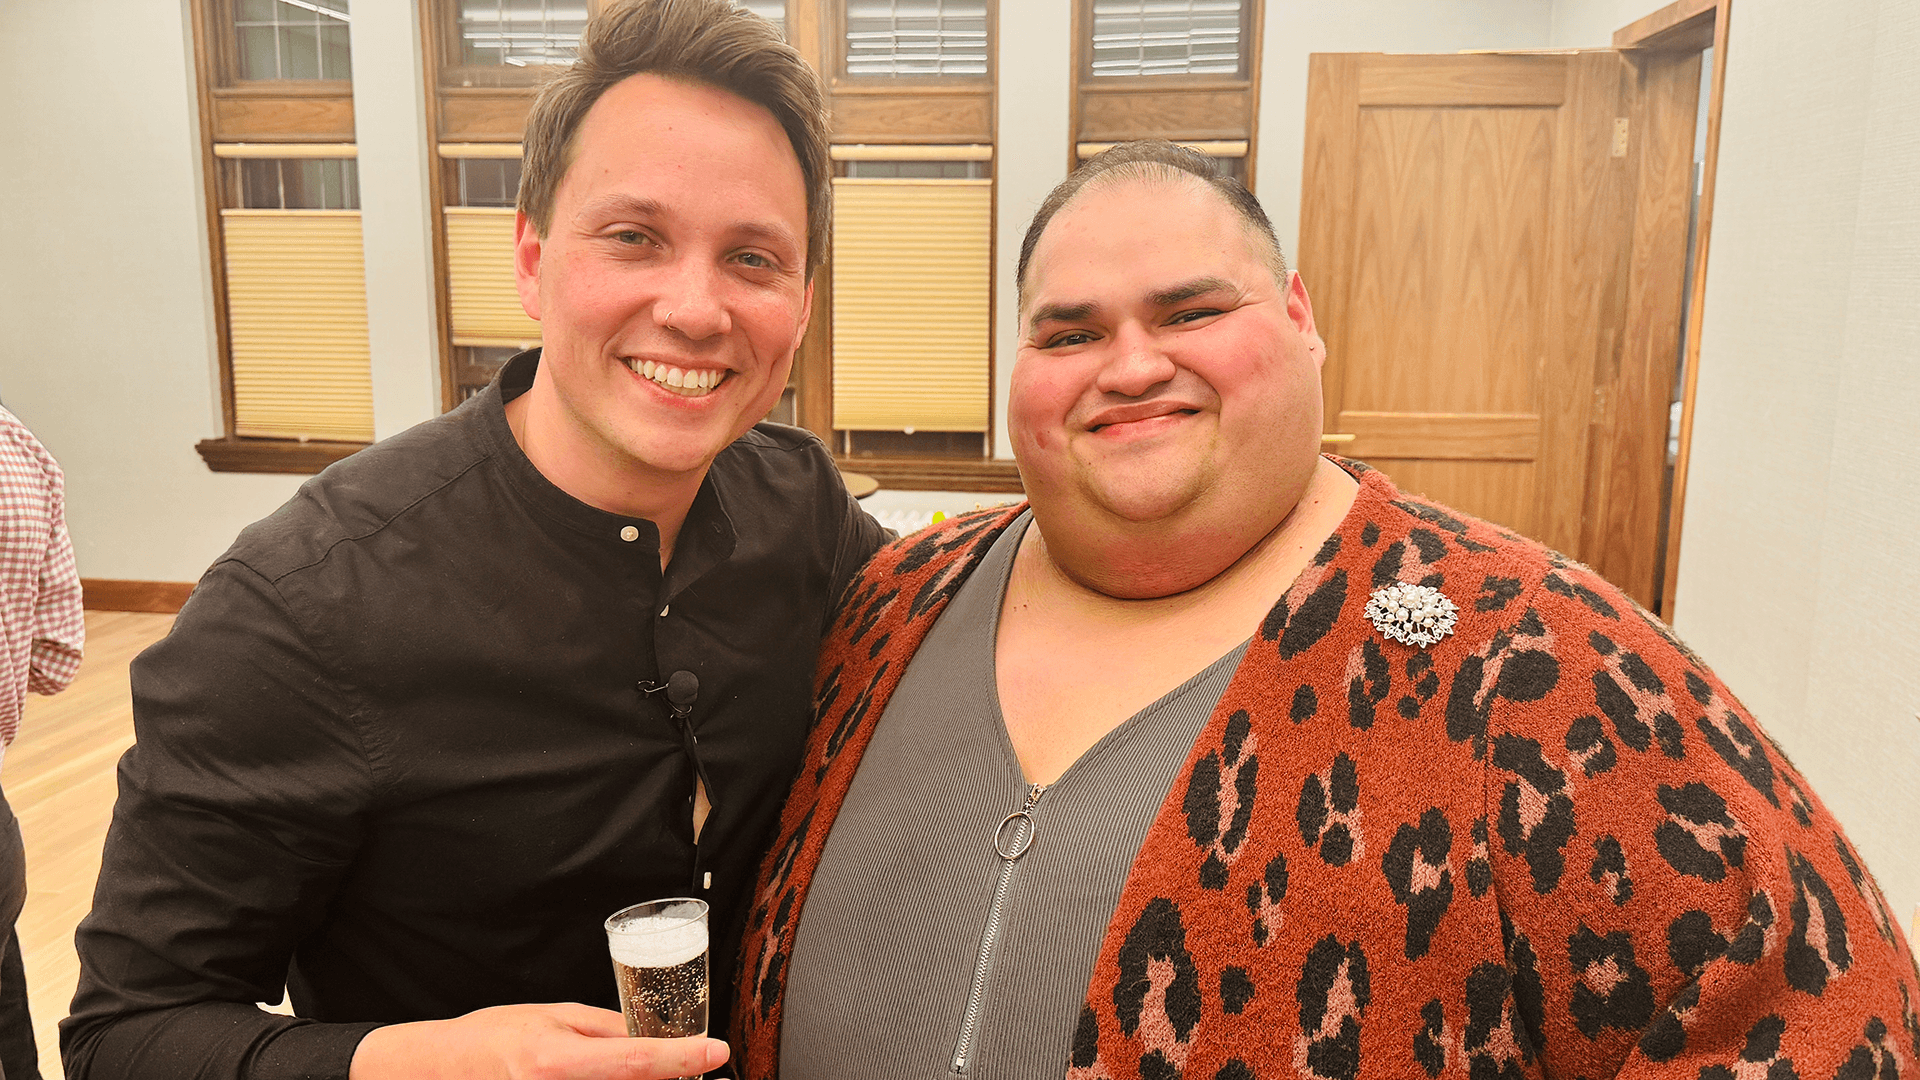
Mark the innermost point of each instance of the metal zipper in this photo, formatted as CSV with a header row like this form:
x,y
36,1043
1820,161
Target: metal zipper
x,y
1009,847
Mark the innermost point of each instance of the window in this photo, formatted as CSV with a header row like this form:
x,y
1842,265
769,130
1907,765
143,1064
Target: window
x,y
283,212
296,307
520,33
910,88
293,183
912,284
1167,37
485,60
505,43
491,182
291,39
916,37
486,324
1172,69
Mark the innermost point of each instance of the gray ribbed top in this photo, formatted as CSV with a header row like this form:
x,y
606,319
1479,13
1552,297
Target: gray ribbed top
x,y
883,961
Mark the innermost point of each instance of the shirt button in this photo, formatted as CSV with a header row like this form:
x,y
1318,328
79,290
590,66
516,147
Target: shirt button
x,y
629,534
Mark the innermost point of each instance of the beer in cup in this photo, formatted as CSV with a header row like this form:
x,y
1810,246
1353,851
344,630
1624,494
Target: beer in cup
x,y
660,964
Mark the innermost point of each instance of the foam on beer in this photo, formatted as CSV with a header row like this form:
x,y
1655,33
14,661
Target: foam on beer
x,y
664,939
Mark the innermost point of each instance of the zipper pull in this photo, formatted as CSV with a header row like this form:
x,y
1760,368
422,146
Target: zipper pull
x,y
1011,844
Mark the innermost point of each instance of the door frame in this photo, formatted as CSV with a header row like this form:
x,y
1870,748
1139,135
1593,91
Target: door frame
x,y
1678,32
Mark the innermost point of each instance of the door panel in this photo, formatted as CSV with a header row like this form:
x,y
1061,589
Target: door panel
x,y
1450,237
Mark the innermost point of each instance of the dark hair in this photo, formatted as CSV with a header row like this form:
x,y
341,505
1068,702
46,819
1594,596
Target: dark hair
x,y
1151,159
703,41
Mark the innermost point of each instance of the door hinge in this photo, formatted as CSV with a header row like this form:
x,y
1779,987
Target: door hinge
x,y
1620,136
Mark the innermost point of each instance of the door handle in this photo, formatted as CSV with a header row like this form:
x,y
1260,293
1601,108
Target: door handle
x,y
1345,437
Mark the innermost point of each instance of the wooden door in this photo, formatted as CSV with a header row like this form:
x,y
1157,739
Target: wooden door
x,y
1497,329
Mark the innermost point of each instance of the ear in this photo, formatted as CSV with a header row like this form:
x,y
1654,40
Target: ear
x,y
526,264
1300,313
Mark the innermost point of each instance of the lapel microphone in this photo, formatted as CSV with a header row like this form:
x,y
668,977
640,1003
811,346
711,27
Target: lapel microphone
x,y
683,689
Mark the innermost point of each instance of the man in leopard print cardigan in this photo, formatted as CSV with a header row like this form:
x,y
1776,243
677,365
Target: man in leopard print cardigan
x,y
1533,836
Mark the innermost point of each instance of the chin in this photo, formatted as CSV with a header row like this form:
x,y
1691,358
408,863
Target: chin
x,y
680,457
1145,502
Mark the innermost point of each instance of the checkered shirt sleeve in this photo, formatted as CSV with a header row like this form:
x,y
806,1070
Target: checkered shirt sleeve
x,y
42,628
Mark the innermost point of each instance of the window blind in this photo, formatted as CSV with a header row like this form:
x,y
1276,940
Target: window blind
x,y
297,320
912,277
916,37
484,305
1167,37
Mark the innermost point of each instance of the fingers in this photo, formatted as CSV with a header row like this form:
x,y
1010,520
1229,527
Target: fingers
x,y
663,1059
611,1055
587,1020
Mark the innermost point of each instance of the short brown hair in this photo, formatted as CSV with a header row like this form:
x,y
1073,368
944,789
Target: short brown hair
x,y
1148,159
703,41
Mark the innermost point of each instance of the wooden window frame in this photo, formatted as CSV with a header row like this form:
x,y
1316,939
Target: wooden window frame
x,y
254,111
902,111
1183,108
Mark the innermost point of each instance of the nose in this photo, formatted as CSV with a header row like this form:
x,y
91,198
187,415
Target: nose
x,y
691,304
1136,366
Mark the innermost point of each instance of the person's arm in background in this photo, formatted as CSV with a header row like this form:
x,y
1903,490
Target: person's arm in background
x,y
59,622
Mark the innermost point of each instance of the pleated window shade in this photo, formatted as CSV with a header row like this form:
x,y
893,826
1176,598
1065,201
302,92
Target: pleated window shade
x,y
297,318
485,306
912,288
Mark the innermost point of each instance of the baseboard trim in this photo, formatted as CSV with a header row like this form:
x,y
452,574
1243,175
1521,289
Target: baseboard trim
x,y
160,597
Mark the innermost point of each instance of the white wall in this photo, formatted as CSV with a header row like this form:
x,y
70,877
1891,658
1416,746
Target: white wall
x,y
1036,79
1801,550
1589,24
108,351
396,214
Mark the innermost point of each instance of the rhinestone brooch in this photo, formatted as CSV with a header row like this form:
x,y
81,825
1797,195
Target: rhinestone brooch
x,y
1411,614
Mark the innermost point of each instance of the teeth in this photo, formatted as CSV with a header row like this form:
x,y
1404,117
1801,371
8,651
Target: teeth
x,y
692,382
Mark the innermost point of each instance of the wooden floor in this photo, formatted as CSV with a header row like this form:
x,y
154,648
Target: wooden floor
x,y
59,777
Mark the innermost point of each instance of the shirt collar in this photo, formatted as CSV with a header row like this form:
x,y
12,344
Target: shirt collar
x,y
706,536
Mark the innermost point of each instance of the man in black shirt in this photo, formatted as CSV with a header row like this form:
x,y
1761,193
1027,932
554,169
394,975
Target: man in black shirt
x,y
407,744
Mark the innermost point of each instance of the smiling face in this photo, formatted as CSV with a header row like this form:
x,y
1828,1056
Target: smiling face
x,y
671,289
1166,383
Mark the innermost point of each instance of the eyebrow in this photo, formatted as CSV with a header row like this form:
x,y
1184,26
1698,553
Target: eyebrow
x,y
1079,312
1187,290
620,206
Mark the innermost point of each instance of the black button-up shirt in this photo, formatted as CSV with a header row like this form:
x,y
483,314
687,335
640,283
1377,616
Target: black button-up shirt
x,y
396,756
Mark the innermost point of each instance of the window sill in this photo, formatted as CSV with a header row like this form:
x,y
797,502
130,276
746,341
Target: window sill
x,y
937,474
272,455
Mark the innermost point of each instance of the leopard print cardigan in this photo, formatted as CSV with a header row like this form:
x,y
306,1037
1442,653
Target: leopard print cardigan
x,y
1551,844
